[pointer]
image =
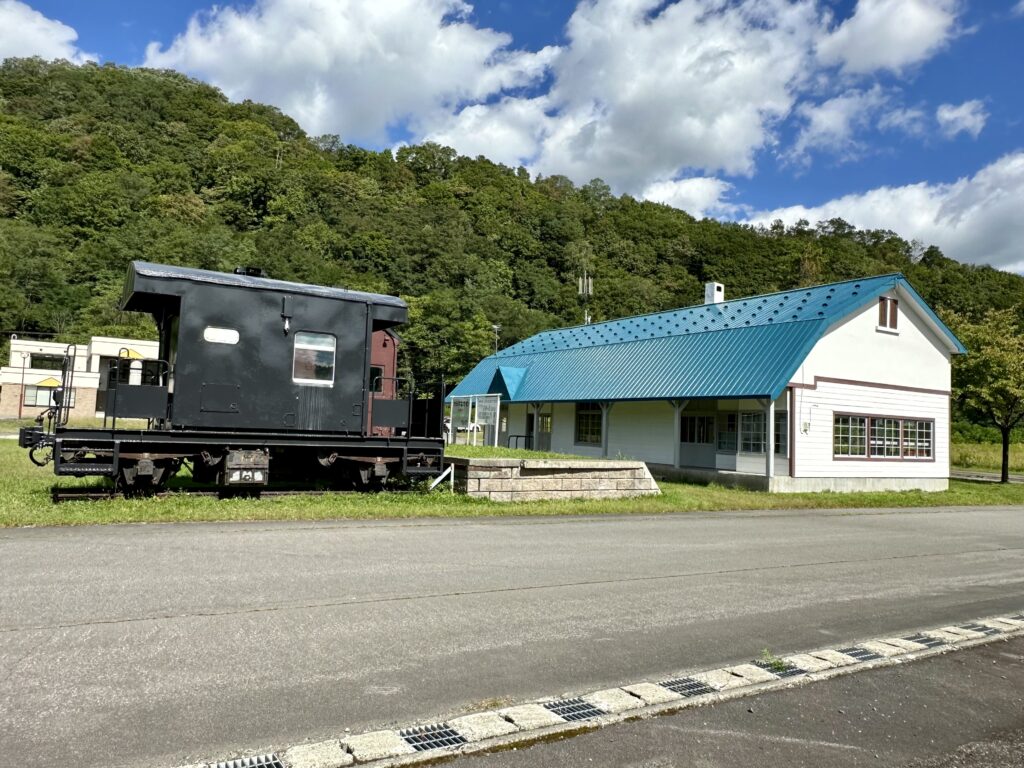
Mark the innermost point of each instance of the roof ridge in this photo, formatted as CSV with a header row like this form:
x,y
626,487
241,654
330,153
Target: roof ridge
x,y
719,303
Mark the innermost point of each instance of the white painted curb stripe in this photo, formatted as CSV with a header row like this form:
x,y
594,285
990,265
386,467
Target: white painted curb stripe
x,y
528,722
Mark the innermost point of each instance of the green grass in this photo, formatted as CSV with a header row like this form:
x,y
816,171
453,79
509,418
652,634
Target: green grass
x,y
10,426
491,452
25,500
987,456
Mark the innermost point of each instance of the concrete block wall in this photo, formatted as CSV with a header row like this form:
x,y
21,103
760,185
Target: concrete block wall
x,y
537,479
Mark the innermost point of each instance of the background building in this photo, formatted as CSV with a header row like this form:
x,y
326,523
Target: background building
x,y
843,386
33,372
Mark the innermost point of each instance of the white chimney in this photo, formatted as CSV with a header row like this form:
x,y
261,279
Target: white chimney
x,y
714,293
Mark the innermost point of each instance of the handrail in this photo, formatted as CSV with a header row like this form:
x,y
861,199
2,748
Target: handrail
x,y
410,399
114,367
527,441
67,383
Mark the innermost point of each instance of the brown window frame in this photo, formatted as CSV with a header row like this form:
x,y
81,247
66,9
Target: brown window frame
x,y
585,418
901,454
888,313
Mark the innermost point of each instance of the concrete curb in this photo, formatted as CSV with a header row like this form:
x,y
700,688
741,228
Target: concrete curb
x,y
535,721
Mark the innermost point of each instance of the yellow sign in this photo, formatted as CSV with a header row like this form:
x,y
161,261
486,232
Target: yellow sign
x,y
131,354
48,382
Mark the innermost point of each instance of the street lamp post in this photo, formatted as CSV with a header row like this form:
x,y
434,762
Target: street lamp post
x,y
21,395
497,329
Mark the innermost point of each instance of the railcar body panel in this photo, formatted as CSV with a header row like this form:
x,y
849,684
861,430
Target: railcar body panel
x,y
256,377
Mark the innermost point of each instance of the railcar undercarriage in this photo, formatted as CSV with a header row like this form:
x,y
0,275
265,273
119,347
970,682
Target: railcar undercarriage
x,y
143,461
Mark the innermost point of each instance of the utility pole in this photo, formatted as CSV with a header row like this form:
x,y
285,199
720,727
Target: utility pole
x,y
497,329
585,288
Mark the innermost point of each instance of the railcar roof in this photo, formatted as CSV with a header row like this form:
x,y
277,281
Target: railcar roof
x,y
170,272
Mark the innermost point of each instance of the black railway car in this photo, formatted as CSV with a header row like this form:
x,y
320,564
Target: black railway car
x,y
256,377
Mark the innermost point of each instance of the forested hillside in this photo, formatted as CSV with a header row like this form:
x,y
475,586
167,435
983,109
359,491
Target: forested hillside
x,y
100,165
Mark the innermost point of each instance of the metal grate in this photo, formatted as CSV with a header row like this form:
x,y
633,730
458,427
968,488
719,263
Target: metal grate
x,y
573,709
980,628
860,654
260,761
927,640
435,736
780,668
687,686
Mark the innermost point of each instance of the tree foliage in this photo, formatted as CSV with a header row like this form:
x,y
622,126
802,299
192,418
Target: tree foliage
x,y
101,164
989,381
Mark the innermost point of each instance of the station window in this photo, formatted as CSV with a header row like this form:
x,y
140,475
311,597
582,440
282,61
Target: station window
x,y
588,423
752,436
885,438
697,429
849,436
882,437
888,313
313,361
781,433
917,439
727,432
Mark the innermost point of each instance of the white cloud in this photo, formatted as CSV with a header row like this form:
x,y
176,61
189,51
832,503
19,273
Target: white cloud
x,y
1018,9
832,125
968,117
911,121
890,34
353,67
974,219
699,196
643,91
26,32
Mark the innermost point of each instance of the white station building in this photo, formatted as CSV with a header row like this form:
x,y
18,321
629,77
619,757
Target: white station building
x,y
843,386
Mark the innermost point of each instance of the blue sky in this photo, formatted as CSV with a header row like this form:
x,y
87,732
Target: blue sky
x,y
900,114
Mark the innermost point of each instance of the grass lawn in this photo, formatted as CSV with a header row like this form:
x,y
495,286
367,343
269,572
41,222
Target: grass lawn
x,y
25,500
988,456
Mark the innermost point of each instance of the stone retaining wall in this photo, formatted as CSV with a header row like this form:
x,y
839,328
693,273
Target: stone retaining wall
x,y
534,479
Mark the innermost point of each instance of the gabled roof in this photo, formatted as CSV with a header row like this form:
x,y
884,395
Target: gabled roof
x,y
748,347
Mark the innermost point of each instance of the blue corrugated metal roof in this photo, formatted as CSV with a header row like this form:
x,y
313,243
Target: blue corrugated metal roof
x,y
742,348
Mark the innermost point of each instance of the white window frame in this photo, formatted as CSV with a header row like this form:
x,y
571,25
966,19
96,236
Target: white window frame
x,y
297,345
751,432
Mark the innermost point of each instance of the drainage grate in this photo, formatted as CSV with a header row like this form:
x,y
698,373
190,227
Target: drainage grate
x,y
432,737
573,709
687,686
927,640
260,761
780,668
860,654
980,628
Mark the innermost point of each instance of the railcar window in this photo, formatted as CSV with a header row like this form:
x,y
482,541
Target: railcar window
x,y
220,335
313,362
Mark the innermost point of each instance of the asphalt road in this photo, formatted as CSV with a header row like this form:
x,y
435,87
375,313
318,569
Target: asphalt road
x,y
161,644
960,710
983,475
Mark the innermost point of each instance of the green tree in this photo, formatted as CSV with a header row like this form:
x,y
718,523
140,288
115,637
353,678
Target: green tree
x,y
989,380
